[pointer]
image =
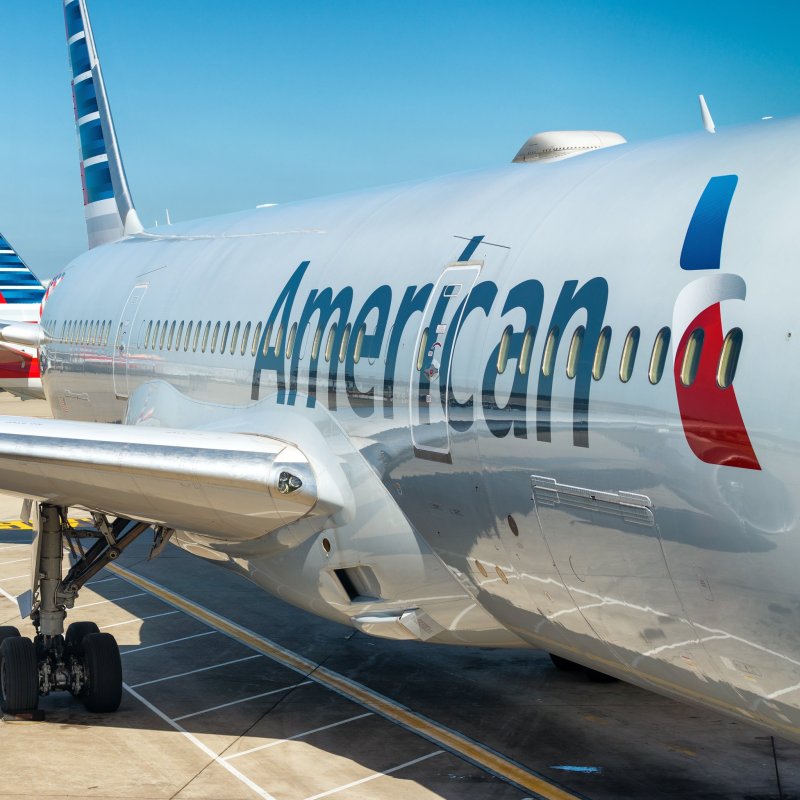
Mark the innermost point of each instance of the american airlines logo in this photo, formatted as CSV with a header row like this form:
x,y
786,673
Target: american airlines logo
x,y
709,412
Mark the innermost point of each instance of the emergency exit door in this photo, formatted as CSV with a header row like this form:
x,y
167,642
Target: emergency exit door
x,y
436,344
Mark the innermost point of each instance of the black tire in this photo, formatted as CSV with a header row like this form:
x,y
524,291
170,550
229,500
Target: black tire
x,y
564,664
19,675
7,632
75,635
103,692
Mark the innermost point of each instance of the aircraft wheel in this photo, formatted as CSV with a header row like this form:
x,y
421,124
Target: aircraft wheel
x,y
103,692
7,631
19,675
76,633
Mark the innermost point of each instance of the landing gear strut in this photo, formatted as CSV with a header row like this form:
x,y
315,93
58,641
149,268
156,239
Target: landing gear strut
x,y
85,661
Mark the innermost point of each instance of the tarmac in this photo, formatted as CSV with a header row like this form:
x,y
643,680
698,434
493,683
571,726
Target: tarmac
x,y
231,693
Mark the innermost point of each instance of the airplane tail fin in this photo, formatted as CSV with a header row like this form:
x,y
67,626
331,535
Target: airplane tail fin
x,y
18,285
109,209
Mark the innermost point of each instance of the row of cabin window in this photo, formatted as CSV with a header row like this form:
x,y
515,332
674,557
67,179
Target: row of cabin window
x,y
726,365
94,332
169,335
172,335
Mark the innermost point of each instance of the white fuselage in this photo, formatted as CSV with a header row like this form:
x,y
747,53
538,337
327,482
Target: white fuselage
x,y
571,512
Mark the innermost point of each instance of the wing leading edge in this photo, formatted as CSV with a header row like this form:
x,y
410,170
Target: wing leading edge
x,y
230,487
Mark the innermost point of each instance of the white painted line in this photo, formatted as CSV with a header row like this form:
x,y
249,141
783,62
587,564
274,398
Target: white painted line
x,y
8,596
102,580
14,577
299,735
197,743
195,671
243,700
164,644
451,740
376,775
113,600
15,561
139,619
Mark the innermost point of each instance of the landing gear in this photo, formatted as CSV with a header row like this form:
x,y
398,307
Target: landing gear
x,y
103,689
19,676
85,662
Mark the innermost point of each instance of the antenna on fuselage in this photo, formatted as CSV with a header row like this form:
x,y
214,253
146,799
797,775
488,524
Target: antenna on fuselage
x,y
169,221
705,114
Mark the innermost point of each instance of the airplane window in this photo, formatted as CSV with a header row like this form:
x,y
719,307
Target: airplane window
x,y
575,351
629,355
601,353
343,345
502,352
256,339
691,358
179,337
729,358
206,332
197,335
316,344
171,335
267,339
423,344
290,340
659,356
89,332
163,338
235,337
214,337
549,355
525,353
224,341
329,343
279,340
359,344
155,335
188,336
245,338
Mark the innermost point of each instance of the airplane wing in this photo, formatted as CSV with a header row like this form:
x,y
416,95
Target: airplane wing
x,y
226,486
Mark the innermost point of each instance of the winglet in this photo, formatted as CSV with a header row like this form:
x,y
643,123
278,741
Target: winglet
x,y
708,123
108,206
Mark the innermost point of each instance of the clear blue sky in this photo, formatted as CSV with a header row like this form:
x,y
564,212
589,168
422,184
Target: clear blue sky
x,y
220,106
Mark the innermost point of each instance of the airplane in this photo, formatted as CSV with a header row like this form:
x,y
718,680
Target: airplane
x,y
546,405
21,297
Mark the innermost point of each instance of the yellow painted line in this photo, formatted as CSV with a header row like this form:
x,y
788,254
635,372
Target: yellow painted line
x,y
19,525
440,735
